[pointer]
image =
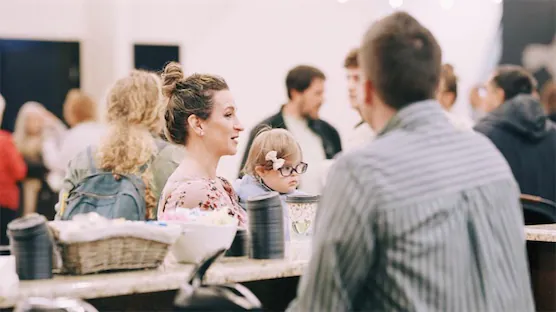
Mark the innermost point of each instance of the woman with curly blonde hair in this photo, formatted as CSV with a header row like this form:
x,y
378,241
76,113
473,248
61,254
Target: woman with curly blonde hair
x,y
130,144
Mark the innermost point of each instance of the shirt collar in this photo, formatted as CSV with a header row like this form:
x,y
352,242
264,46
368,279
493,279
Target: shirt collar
x,y
415,115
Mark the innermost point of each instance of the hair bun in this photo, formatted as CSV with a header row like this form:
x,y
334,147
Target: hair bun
x,y
173,73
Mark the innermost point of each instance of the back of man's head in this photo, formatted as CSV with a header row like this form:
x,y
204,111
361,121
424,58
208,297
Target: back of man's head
x,y
402,59
514,80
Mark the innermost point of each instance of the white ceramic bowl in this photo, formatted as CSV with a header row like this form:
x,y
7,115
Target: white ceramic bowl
x,y
199,240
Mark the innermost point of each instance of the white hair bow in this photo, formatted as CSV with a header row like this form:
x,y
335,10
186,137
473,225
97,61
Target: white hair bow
x,y
277,163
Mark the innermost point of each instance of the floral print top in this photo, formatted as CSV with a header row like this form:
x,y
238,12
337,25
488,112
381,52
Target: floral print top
x,y
206,194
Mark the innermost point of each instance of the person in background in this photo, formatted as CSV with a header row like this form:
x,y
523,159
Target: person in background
x,y
424,218
12,170
200,115
130,145
319,139
548,99
521,131
80,112
33,126
362,132
447,94
479,108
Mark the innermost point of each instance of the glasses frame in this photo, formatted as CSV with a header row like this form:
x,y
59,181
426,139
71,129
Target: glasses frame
x,y
297,169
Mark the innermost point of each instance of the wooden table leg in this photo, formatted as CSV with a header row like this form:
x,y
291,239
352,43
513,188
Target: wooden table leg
x,y
542,266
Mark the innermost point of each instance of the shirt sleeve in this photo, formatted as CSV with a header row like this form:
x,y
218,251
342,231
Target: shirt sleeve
x,y
52,147
343,246
17,166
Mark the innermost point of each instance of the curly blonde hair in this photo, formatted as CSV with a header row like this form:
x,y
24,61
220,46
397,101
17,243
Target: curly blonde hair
x,y
266,140
134,114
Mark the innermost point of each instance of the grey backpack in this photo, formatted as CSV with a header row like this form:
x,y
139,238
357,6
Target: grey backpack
x,y
110,195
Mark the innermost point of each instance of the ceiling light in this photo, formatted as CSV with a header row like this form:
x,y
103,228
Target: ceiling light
x,y
396,3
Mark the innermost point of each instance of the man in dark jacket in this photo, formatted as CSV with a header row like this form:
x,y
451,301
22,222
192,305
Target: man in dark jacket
x,y
521,131
318,139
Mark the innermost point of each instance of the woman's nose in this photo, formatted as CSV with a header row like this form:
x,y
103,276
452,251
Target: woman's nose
x,y
238,126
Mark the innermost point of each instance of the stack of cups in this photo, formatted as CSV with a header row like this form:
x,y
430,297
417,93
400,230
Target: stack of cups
x,y
239,244
31,244
266,226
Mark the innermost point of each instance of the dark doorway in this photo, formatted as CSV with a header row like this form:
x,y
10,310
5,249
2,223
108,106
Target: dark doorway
x,y
41,71
154,57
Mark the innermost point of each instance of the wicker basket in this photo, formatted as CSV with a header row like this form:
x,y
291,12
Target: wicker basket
x,y
116,253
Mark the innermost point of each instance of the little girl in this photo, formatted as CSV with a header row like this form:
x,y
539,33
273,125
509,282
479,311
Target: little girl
x,y
274,163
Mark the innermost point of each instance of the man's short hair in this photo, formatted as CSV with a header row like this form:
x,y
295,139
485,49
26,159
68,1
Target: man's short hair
x,y
351,60
514,80
300,78
402,59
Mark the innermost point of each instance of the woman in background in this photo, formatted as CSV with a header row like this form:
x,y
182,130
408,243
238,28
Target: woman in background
x,y
80,113
35,124
12,170
130,145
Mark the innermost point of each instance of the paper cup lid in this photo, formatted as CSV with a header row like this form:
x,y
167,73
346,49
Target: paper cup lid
x,y
302,199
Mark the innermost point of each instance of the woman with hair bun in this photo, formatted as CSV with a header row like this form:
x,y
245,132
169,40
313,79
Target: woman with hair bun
x,y
200,115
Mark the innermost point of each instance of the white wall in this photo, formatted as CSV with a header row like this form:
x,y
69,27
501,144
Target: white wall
x,y
466,33
252,43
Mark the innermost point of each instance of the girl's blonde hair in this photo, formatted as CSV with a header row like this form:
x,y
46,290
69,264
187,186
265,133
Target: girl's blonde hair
x,y
266,140
134,115
26,146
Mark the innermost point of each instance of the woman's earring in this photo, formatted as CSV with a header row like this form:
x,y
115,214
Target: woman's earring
x,y
201,133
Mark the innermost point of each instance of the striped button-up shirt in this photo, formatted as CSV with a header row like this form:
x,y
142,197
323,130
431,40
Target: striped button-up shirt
x,y
424,218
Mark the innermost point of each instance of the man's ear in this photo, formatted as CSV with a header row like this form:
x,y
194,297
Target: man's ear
x,y
368,92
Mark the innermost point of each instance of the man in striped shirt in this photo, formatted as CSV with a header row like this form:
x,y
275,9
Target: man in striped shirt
x,y
424,218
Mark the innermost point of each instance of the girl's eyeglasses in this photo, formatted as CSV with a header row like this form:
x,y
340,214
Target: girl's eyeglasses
x,y
287,171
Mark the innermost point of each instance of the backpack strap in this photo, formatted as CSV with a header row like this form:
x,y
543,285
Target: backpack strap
x,y
92,165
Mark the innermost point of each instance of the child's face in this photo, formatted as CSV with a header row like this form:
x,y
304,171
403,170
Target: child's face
x,y
284,180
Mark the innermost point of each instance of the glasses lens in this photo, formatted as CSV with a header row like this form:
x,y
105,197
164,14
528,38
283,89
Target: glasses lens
x,y
301,168
286,171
